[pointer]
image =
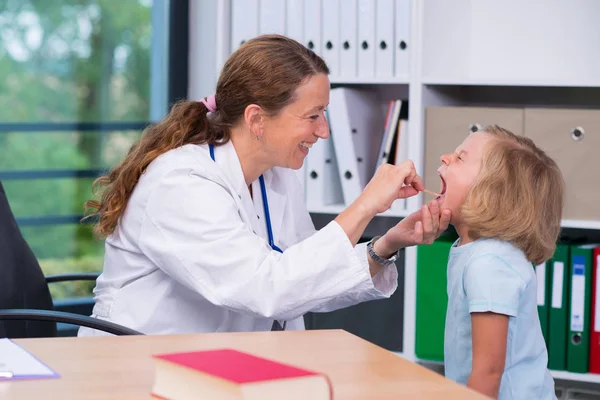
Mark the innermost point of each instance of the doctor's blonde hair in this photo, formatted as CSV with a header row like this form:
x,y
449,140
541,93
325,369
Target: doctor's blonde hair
x,y
265,71
517,197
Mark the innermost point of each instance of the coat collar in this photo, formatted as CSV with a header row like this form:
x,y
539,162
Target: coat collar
x,y
227,159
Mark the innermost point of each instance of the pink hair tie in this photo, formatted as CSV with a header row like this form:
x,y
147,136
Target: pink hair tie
x,y
210,103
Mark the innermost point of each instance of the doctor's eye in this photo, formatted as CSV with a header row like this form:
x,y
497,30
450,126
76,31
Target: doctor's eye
x,y
314,117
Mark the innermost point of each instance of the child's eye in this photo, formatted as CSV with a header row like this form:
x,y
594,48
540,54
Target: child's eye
x,y
460,158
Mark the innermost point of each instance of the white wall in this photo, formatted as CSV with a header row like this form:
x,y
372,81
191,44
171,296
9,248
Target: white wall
x,y
205,36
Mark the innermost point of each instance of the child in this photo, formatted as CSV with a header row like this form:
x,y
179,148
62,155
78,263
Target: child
x,y
506,198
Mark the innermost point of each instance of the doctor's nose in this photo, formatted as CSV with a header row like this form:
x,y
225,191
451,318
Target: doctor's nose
x,y
322,130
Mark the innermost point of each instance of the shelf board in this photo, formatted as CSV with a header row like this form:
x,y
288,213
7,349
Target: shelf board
x,y
404,355
565,223
432,362
572,376
338,208
564,375
580,224
330,209
505,82
347,80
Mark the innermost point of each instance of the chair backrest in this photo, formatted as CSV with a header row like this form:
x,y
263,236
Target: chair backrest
x,y
22,282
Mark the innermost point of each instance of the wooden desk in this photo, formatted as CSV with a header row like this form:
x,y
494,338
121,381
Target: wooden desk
x,y
121,367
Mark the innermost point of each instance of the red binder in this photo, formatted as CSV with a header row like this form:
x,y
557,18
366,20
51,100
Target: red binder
x,y
595,322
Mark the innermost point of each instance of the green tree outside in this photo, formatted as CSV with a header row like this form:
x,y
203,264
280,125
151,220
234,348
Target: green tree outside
x,y
69,61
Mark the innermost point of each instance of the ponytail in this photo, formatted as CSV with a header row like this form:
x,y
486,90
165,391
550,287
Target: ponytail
x,y
186,123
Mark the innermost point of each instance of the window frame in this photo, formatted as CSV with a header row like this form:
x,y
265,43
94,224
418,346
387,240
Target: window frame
x,y
169,83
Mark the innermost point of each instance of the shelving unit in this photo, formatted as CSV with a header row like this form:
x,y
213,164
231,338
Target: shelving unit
x,y
484,53
368,81
505,82
579,224
570,376
336,209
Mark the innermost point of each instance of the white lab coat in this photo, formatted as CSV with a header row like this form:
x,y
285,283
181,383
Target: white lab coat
x,y
191,253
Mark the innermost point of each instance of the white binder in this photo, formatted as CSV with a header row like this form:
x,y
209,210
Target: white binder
x,y
294,20
384,50
357,124
244,22
402,40
312,25
332,190
330,43
402,143
389,133
272,17
315,176
348,39
366,38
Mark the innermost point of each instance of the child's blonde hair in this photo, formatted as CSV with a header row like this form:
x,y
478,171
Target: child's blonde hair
x,y
517,197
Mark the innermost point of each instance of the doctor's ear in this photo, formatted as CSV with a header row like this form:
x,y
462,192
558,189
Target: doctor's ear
x,y
253,115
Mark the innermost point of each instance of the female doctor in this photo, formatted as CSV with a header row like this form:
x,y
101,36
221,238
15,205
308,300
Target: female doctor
x,y
205,224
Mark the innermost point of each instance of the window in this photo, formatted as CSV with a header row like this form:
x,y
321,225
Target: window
x,y
81,79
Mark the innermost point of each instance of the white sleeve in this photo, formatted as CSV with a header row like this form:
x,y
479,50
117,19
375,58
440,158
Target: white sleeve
x,y
193,231
384,284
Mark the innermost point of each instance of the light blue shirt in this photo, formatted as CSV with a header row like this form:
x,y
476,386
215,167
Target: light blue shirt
x,y
494,276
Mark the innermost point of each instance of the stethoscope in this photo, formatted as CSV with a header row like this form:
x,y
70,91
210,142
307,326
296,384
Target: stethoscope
x,y
263,191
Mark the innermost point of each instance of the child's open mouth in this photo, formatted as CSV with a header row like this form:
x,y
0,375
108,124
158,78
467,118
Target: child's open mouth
x,y
442,189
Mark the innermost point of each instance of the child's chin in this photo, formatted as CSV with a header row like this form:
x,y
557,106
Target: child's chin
x,y
441,200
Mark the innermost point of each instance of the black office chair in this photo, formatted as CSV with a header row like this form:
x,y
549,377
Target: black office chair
x,y
26,307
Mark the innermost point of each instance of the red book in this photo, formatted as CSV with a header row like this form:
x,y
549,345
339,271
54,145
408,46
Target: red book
x,y
231,374
595,321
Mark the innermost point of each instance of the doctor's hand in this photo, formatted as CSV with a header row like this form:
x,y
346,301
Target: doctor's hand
x,y
420,227
391,182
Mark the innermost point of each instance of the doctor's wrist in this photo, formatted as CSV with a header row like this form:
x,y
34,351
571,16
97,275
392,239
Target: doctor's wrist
x,y
366,207
383,249
353,221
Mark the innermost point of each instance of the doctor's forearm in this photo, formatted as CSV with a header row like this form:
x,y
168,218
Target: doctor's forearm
x,y
354,221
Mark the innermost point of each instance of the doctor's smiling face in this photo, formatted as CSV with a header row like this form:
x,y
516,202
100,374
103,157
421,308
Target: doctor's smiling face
x,y
289,134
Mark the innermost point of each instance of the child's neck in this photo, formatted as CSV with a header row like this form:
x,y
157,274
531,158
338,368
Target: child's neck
x,y
463,234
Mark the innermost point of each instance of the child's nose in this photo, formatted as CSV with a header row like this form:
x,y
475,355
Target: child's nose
x,y
446,159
